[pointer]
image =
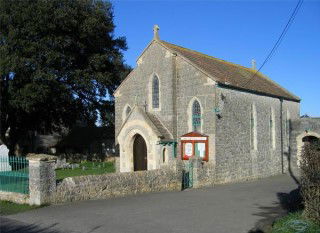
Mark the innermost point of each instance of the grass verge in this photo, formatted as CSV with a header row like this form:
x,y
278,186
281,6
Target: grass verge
x,y
7,208
86,168
294,223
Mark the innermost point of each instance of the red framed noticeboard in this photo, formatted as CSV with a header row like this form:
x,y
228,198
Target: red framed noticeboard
x,y
194,144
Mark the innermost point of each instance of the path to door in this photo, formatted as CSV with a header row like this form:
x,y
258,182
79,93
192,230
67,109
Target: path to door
x,y
228,208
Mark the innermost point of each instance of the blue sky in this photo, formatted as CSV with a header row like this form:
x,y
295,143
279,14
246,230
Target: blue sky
x,y
236,31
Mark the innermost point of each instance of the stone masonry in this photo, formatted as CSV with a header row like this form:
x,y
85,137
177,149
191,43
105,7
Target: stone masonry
x,y
118,184
42,178
225,114
300,128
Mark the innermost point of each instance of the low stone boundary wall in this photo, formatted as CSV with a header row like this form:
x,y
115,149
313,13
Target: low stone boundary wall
x,y
14,197
172,177
117,184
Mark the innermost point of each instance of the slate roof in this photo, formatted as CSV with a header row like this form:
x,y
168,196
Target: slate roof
x,y
232,75
154,122
157,123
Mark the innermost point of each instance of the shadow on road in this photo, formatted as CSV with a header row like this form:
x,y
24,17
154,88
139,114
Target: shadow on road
x,y
288,202
11,226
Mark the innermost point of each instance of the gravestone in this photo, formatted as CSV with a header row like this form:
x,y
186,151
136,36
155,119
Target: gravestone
x,y
4,158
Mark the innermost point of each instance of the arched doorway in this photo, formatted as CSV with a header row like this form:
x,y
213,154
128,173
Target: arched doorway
x,y
305,139
310,140
139,154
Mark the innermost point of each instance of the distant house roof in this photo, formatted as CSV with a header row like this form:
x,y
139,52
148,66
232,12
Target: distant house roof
x,y
230,74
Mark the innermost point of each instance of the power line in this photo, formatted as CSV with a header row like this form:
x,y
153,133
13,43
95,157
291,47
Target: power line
x,y
282,35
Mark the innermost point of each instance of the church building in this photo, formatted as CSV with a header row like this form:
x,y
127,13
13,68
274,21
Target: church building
x,y
178,103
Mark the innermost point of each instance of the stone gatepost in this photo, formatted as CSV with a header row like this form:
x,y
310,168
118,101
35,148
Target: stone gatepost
x,y
202,173
197,169
42,178
177,166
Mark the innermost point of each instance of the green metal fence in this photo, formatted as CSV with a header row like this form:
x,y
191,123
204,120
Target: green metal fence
x,y
14,174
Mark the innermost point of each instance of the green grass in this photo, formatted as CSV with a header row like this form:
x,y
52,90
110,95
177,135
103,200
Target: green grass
x,y
7,207
295,223
92,168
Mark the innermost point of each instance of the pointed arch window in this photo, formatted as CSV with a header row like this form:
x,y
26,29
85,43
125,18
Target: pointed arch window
x,y
196,116
125,112
164,156
272,129
253,128
155,92
128,110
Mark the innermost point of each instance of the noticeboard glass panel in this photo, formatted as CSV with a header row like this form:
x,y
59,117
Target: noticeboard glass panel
x,y
200,149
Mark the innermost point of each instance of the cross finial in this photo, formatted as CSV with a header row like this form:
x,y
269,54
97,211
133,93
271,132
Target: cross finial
x,y
155,32
253,64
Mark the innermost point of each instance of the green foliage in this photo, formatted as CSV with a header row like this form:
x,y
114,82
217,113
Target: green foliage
x,y
295,223
7,208
91,168
59,63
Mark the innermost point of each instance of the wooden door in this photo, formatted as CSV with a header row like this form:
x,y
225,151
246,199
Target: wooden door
x,y
140,154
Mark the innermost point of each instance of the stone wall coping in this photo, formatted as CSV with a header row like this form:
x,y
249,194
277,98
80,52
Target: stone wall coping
x,y
41,157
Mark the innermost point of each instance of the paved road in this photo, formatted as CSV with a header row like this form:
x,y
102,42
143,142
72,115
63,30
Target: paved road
x,y
222,209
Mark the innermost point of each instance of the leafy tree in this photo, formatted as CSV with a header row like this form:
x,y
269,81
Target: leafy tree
x,y
59,63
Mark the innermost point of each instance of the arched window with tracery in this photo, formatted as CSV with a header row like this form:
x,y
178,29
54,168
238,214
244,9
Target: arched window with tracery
x,y
196,116
155,92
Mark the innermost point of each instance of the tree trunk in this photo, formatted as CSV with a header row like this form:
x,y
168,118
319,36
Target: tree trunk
x,y
3,107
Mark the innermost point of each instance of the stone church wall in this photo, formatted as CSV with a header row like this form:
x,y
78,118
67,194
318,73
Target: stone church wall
x,y
230,152
194,85
235,159
136,90
291,113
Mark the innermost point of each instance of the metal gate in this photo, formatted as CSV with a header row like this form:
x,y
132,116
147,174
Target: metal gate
x,y
14,174
187,176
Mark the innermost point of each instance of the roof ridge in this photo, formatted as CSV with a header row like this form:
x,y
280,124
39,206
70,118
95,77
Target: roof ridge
x,y
278,85
211,57
217,69
259,75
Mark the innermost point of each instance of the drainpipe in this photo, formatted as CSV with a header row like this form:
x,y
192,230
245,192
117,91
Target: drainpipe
x,y
281,136
174,103
174,96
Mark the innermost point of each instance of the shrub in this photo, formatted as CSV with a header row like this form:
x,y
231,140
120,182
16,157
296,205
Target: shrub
x,y
294,223
310,181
